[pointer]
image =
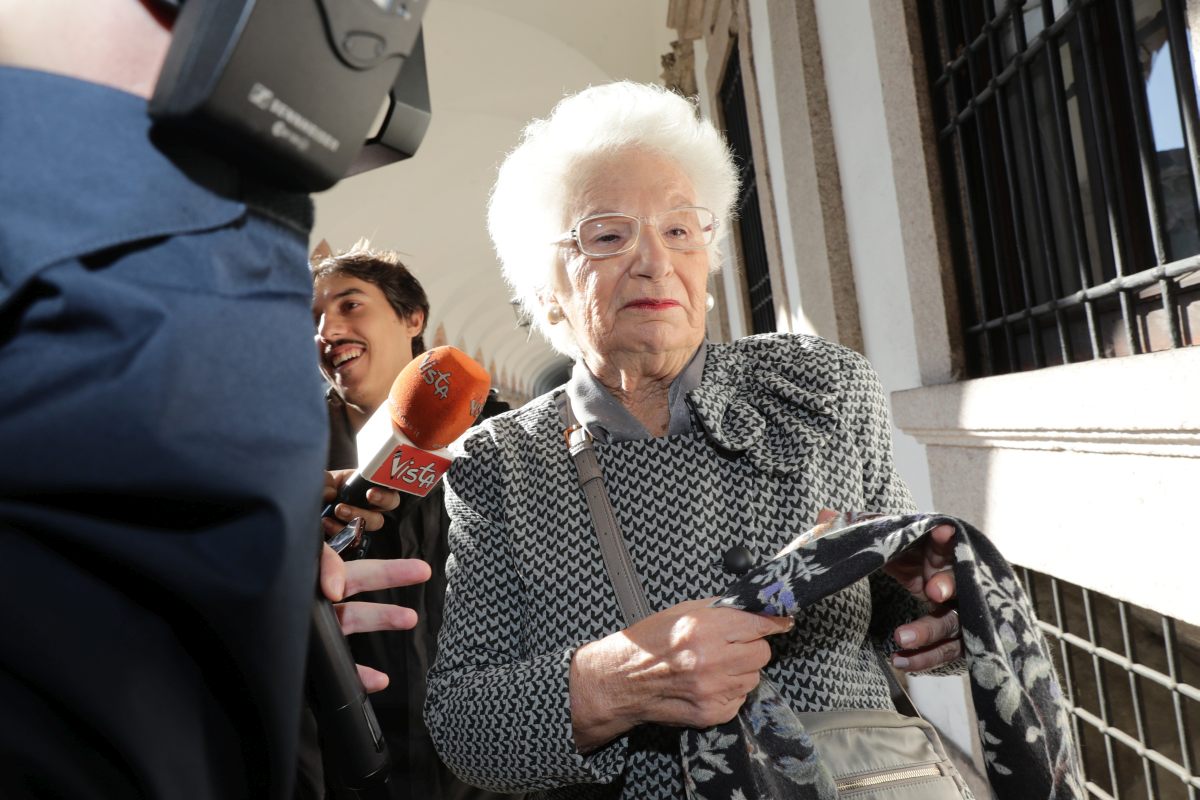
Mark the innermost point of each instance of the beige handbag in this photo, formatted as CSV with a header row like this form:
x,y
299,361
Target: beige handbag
x,y
883,754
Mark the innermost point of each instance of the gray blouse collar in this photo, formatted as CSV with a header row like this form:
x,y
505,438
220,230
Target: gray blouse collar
x,y
603,416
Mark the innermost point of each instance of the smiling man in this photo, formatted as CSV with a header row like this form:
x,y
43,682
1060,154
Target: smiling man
x,y
370,314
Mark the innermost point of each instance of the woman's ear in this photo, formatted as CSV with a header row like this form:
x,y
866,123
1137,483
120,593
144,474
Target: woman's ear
x,y
549,307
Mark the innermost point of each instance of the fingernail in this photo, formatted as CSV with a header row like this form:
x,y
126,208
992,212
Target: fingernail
x,y
373,495
899,661
906,637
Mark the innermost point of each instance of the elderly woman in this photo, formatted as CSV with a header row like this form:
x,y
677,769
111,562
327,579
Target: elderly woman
x,y
607,220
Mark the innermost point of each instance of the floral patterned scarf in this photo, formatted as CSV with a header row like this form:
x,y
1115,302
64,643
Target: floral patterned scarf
x,y
1024,724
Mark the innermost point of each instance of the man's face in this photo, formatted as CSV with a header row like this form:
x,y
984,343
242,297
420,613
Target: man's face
x,y
362,342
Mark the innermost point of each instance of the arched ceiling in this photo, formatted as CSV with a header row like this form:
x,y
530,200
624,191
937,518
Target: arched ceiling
x,y
493,65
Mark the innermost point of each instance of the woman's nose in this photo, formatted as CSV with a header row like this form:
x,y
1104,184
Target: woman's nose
x,y
653,257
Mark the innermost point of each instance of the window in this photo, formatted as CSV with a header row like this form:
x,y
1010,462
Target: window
x,y
1069,142
749,222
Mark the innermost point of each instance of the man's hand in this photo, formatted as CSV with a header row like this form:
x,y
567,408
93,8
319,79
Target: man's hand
x,y
381,500
340,579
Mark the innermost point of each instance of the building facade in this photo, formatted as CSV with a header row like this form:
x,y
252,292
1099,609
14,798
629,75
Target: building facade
x,y
998,203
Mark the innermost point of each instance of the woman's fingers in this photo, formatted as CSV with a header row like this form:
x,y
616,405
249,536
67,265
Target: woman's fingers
x,y
940,587
749,627
937,626
930,641
939,549
930,657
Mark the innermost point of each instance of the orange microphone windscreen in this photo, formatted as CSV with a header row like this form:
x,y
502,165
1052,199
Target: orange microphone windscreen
x,y
438,396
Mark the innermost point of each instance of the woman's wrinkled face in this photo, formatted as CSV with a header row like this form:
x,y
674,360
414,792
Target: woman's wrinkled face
x,y
650,300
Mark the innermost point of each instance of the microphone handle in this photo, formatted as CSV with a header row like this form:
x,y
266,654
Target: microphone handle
x,y
352,492
351,739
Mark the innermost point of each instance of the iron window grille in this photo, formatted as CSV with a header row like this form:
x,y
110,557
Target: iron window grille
x,y
1132,677
1070,149
749,226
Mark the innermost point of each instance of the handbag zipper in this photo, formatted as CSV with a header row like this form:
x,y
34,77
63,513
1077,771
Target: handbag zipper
x,y
867,781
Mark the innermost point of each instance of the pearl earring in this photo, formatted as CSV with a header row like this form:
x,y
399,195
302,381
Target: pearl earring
x,y
709,302
555,314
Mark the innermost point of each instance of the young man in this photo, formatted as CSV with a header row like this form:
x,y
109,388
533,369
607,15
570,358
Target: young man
x,y
370,314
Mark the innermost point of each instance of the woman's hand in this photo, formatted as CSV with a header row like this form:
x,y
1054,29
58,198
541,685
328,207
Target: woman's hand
x,y
372,516
689,665
926,571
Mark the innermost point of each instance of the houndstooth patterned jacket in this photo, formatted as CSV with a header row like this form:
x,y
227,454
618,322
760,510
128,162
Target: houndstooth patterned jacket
x,y
786,425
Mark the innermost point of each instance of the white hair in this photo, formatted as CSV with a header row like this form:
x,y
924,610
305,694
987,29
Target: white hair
x,y
528,207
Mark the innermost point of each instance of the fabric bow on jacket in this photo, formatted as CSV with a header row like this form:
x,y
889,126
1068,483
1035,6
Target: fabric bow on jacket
x,y
767,417
1024,722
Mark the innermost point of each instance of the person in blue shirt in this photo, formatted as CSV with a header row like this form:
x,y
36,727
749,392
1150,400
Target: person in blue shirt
x,y
162,436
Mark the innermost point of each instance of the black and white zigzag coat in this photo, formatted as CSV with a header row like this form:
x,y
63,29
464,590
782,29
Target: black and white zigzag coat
x,y
785,425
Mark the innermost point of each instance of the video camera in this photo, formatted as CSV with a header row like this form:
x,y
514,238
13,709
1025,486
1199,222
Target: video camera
x,y
301,92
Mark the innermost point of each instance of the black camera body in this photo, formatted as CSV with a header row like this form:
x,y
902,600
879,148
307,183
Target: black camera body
x,y
290,89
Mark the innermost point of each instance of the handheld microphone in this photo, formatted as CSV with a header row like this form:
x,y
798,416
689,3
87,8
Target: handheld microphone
x,y
402,446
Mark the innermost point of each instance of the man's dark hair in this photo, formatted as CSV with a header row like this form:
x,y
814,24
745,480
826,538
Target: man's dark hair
x,y
384,269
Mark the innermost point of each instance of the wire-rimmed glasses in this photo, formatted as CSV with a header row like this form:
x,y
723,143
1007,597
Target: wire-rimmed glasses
x,y
612,234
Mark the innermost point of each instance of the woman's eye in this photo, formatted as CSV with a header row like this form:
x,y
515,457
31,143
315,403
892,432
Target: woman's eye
x,y
606,238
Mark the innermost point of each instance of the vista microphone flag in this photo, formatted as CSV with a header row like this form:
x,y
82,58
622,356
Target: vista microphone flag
x,y
403,444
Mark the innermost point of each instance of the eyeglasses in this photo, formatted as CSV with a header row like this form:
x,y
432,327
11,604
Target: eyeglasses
x,y
604,235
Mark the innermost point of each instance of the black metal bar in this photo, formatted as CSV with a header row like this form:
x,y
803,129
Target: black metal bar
x,y
1141,130
1147,161
1118,285
749,223
989,198
1040,191
974,262
1139,707
1066,154
1185,88
1185,93
1101,693
1051,31
1102,121
1011,172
